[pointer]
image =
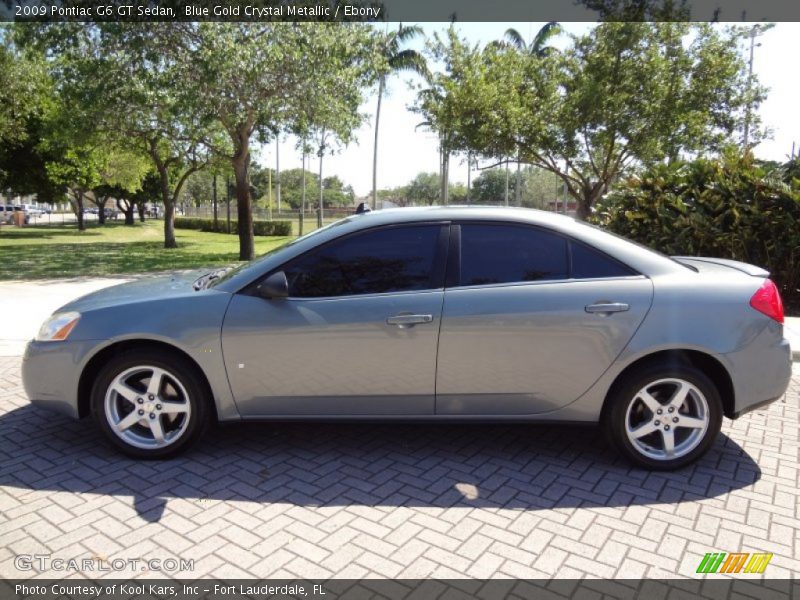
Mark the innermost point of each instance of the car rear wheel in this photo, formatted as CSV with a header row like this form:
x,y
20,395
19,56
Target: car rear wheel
x,y
664,418
150,404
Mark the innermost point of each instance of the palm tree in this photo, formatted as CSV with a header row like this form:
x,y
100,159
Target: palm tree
x,y
536,48
538,45
397,60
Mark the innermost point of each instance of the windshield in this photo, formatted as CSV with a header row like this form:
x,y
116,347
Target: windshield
x,y
214,278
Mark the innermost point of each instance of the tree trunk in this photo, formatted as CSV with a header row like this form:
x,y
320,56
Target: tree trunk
x,y
79,214
244,211
101,211
140,208
375,150
583,209
126,210
169,208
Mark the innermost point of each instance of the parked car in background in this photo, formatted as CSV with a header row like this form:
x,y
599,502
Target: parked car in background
x,y
440,314
6,213
33,211
111,213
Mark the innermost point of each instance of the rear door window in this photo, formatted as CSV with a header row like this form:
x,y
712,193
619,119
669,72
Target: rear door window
x,y
494,253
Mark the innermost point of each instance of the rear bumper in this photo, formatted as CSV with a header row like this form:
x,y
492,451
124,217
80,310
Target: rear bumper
x,y
761,371
50,374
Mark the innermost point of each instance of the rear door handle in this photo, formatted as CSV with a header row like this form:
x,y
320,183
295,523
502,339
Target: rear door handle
x,y
607,307
403,321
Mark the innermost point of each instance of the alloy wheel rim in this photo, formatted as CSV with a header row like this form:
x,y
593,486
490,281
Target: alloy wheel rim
x,y
147,407
667,419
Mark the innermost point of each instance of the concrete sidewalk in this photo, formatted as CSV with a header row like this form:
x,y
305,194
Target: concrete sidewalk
x,y
26,304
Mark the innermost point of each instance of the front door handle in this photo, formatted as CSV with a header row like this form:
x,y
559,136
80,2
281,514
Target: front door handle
x,y
607,307
407,320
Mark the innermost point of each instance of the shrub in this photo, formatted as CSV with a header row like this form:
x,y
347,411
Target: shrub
x,y
261,228
734,207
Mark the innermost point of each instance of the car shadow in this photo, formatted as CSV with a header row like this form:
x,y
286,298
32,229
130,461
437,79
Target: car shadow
x,y
525,467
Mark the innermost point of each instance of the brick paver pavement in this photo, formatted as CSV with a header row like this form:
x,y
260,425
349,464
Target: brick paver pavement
x,y
307,501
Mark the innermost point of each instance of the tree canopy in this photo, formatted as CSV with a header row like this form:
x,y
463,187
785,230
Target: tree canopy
x,y
625,94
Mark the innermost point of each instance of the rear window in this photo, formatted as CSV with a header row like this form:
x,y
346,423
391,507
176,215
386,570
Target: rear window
x,y
588,263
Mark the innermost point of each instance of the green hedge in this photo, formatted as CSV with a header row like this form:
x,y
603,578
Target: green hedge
x,y
265,228
734,207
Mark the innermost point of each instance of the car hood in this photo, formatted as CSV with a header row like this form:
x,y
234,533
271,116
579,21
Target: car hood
x,y
147,288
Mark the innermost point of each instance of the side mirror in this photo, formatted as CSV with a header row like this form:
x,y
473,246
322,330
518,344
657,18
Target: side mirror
x,y
274,286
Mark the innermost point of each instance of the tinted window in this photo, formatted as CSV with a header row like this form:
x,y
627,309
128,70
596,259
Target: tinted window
x,y
384,260
588,263
506,253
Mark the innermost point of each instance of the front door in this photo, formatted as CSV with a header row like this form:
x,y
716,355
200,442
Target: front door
x,y
357,335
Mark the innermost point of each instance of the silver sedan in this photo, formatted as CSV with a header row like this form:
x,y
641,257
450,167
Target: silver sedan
x,y
440,314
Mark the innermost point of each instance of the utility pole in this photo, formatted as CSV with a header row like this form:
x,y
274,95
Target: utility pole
x,y
757,30
506,196
320,214
469,172
303,188
214,197
278,171
269,199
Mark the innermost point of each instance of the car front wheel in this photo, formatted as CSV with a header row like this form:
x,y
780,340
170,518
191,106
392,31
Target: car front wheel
x,y
150,404
664,418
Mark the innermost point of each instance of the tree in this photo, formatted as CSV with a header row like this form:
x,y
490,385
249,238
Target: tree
x,y
626,94
489,187
259,79
120,82
538,49
538,45
78,170
121,174
24,90
424,188
396,59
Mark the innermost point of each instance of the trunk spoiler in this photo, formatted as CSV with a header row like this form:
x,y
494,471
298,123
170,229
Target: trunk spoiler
x,y
699,262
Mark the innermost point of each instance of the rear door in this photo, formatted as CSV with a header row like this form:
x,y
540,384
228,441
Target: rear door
x,y
531,319
357,335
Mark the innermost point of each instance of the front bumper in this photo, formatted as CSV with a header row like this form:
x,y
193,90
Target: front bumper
x,y
51,372
761,371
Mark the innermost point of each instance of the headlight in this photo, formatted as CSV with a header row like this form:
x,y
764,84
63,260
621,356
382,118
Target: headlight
x,y
57,327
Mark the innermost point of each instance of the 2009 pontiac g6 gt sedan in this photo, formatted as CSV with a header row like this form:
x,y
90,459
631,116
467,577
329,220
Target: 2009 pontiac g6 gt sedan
x,y
440,314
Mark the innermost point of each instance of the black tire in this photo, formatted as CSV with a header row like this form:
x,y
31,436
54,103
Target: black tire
x,y
616,418
177,369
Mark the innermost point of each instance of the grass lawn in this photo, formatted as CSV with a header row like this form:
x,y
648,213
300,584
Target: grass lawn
x,y
46,251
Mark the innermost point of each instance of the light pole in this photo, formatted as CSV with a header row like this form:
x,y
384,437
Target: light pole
x,y
757,30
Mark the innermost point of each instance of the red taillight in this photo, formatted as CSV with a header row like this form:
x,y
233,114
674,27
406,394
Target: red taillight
x,y
767,300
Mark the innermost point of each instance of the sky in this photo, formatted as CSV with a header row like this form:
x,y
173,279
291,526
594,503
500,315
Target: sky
x,y
404,149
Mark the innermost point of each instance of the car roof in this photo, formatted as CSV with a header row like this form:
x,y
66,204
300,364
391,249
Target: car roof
x,y
641,259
